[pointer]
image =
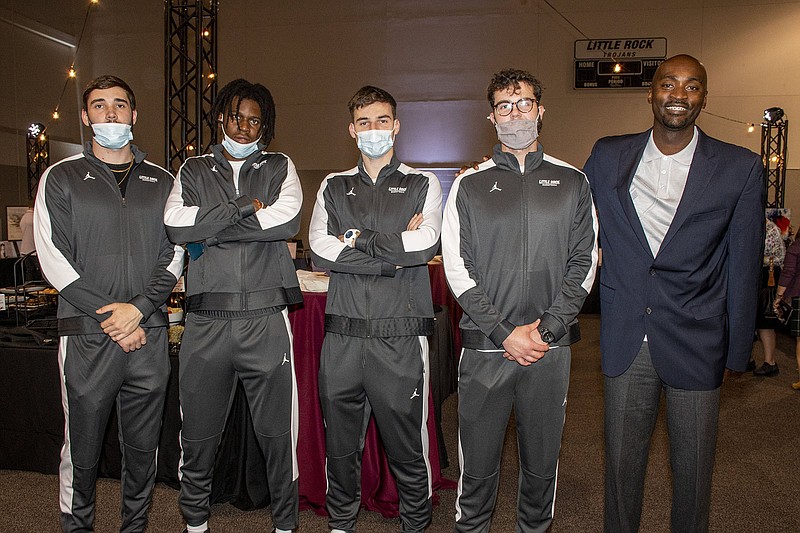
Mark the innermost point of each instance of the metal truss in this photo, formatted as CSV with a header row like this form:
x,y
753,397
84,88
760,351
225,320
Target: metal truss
x,y
774,137
38,147
190,59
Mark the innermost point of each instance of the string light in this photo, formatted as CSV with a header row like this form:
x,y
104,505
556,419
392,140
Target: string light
x,y
190,147
211,75
72,73
206,32
750,126
617,68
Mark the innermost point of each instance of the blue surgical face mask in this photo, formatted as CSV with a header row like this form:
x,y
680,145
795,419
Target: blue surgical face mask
x,y
374,143
238,150
112,135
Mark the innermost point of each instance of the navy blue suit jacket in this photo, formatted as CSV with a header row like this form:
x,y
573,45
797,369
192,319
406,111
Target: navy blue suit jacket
x,y
696,299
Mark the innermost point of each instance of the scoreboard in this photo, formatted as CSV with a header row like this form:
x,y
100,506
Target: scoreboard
x,y
618,63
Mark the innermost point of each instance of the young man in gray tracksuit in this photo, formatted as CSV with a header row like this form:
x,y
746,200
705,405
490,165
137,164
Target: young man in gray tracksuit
x,y
375,227
519,245
101,242
235,207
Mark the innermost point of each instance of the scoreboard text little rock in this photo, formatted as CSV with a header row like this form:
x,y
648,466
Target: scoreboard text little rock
x,y
618,63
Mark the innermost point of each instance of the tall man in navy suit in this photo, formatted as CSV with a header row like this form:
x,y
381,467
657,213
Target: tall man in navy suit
x,y
681,228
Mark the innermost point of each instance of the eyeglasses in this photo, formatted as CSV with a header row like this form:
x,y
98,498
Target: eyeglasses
x,y
524,105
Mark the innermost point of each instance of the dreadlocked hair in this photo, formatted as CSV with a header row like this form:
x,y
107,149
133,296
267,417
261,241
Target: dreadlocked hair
x,y
242,89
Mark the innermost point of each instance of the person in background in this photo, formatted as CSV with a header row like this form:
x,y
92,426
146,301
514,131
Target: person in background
x,y
235,207
99,232
27,244
789,289
519,243
375,227
682,226
774,251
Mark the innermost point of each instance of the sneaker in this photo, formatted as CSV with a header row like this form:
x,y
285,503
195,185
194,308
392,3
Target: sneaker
x,y
796,385
751,365
766,370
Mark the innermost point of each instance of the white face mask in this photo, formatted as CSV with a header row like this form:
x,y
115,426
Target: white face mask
x,y
374,143
112,135
518,134
238,150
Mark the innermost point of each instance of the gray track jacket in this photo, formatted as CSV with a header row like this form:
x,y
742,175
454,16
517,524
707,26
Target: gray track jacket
x,y
246,264
519,246
368,295
97,247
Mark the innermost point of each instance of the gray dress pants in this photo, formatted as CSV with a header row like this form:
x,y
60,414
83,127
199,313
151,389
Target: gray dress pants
x,y
631,407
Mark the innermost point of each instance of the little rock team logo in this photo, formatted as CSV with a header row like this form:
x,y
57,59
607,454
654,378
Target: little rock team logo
x,y
549,183
259,164
397,190
148,179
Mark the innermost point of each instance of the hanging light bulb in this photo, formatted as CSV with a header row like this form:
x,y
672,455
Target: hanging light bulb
x,y
72,73
56,116
751,128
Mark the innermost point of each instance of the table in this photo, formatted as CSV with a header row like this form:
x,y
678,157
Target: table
x,y
31,426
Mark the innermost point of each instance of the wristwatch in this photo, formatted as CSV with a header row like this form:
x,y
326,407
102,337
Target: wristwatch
x,y
546,334
350,236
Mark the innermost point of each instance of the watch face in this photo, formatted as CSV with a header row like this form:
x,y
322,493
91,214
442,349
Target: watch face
x,y
547,335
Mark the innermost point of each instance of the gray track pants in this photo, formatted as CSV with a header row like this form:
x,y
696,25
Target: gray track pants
x,y
96,374
215,352
387,377
489,386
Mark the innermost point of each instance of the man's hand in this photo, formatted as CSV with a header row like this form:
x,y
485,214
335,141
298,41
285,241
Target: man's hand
x,y
134,341
525,345
257,205
473,165
415,222
123,321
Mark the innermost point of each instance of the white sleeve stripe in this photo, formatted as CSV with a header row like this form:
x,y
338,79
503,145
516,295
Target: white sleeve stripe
x,y
428,233
175,266
454,268
289,203
57,269
323,244
176,214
